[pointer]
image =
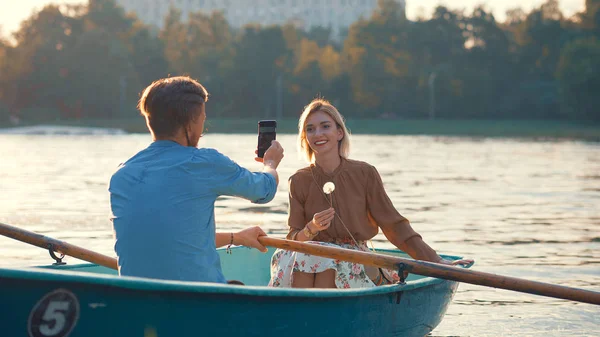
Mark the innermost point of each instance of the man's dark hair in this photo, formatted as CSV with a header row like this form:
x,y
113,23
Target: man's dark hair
x,y
171,103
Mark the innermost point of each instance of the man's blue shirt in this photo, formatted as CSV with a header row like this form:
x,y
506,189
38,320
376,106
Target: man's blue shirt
x,y
162,202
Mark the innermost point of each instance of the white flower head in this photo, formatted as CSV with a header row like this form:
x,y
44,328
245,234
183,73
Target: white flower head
x,y
329,187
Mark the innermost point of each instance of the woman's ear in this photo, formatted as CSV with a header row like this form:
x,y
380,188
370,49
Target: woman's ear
x,y
340,134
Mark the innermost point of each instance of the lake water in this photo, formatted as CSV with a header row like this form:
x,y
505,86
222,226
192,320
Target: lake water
x,y
522,208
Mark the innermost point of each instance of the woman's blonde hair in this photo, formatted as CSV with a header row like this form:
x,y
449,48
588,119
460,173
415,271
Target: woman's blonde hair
x,y
322,105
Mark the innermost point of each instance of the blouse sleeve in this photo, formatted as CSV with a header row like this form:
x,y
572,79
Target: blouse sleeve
x,y
382,210
296,221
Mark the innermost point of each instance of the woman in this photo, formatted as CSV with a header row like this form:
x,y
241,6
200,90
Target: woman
x,y
346,213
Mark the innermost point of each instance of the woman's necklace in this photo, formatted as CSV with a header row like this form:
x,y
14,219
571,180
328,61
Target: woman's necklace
x,y
331,203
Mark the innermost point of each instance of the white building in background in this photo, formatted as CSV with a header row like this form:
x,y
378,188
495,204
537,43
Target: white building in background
x,y
337,14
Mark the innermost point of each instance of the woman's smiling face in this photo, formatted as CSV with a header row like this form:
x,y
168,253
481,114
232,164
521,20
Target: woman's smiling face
x,y
322,134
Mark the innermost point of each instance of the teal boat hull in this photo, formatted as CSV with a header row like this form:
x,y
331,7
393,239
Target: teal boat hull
x,y
88,300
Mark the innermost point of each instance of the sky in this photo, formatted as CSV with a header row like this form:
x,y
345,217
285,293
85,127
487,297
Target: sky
x,y
14,11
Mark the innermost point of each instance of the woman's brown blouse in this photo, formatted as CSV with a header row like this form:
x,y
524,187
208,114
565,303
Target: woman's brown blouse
x,y
359,199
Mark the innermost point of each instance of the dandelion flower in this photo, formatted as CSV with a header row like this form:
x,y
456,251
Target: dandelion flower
x,y
329,187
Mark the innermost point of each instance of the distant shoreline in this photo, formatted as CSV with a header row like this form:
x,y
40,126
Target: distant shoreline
x,y
539,129
47,129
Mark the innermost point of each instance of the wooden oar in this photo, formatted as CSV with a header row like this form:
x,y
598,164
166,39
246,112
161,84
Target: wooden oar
x,y
378,260
437,270
57,246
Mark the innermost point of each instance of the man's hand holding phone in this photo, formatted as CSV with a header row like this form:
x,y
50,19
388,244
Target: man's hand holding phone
x,y
271,159
272,156
269,151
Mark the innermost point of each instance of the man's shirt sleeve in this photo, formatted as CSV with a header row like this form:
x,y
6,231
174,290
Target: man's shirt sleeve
x,y
231,179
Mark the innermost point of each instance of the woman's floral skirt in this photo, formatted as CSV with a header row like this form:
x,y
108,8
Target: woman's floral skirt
x,y
348,275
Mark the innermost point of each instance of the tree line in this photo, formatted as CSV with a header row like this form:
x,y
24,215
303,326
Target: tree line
x,y
92,61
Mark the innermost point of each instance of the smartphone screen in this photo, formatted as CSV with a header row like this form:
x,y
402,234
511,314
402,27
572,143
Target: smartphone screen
x,y
266,134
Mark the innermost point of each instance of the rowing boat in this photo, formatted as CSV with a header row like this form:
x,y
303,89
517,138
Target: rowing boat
x,y
90,300
60,300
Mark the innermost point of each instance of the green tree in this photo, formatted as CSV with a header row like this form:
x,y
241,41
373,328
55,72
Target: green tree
x,y
306,79
541,37
377,61
210,51
437,47
539,40
175,38
108,16
6,77
103,70
92,61
203,48
486,69
579,76
79,62
321,35
311,67
590,18
147,53
40,68
254,79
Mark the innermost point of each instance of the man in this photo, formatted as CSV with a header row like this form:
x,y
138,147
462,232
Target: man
x,y
162,199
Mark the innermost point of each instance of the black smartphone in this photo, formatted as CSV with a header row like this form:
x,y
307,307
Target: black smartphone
x,y
266,134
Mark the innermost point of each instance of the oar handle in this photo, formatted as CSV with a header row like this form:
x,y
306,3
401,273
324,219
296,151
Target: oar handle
x,y
437,270
57,245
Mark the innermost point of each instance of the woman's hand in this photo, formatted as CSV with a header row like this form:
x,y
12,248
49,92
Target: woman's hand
x,y
321,221
462,262
249,238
